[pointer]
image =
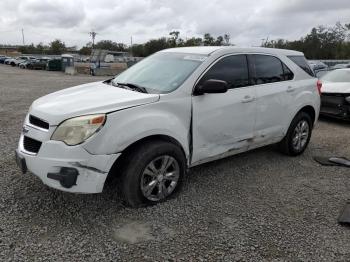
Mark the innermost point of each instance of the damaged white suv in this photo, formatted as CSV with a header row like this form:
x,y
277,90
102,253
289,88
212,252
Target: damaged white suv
x,y
173,110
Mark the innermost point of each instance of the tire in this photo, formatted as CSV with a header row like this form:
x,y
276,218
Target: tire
x,y
13,64
138,179
298,136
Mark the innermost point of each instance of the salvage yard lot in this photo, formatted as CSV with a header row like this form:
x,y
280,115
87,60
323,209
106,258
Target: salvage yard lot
x,y
255,206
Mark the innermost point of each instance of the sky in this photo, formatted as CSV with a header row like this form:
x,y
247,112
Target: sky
x,y
246,21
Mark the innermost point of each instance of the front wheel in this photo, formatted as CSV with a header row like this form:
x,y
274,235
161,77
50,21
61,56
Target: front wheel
x,y
152,174
298,136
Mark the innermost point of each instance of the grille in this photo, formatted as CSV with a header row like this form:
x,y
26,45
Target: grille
x,y
38,122
31,145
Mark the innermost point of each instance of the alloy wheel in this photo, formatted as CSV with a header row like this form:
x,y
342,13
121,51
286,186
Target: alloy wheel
x,y
160,178
301,135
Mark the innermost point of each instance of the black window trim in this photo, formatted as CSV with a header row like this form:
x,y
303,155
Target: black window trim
x,y
219,59
251,61
284,65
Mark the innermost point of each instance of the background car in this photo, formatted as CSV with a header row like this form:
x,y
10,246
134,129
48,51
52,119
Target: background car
x,y
37,63
320,73
21,59
24,64
3,58
340,66
317,65
335,96
319,68
9,60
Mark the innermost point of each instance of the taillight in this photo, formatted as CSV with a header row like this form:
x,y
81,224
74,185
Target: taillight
x,y
319,86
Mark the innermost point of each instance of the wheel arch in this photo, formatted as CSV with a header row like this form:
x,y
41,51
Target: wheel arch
x,y
117,166
284,144
306,108
310,110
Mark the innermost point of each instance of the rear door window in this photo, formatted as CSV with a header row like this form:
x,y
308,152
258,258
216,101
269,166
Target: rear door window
x,y
268,69
302,63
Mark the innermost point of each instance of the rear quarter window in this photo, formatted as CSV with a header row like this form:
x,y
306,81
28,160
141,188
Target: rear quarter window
x,y
302,63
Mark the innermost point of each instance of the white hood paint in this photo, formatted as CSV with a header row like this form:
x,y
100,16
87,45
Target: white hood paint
x,y
333,87
86,99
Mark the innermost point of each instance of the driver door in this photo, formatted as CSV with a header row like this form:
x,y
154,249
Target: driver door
x,y
223,124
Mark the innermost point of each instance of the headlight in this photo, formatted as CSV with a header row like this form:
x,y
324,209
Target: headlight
x,y
347,99
76,130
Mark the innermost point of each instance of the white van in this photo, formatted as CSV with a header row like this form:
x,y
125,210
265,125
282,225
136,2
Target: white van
x,y
173,110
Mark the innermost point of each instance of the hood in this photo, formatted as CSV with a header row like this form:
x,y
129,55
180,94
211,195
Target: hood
x,y
336,87
92,98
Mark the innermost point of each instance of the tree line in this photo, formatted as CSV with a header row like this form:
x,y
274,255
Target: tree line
x,y
175,40
332,42
58,47
155,45
321,43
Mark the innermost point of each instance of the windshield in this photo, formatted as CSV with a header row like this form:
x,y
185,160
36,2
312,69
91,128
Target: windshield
x,y
161,72
337,76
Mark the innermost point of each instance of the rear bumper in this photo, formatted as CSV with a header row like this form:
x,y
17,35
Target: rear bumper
x,y
341,113
55,160
335,105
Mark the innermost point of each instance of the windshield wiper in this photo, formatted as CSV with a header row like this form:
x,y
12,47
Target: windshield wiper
x,y
134,86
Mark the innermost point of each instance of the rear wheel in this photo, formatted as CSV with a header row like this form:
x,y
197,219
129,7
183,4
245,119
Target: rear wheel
x,y
152,173
298,136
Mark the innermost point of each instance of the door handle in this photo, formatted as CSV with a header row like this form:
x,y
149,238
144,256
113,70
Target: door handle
x,y
290,89
247,99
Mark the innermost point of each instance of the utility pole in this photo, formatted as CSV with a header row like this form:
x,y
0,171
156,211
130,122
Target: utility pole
x,y
23,36
130,49
93,35
264,41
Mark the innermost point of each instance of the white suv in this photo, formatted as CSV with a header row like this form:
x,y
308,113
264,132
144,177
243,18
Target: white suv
x,y
173,110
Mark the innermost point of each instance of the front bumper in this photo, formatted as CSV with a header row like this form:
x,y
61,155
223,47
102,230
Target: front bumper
x,y
54,159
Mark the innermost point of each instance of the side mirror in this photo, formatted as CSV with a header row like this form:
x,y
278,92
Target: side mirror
x,y
211,86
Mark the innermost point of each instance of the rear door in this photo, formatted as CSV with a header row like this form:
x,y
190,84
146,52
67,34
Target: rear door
x,y
274,86
223,123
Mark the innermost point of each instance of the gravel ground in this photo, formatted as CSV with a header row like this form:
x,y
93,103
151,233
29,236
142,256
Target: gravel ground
x,y
257,206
